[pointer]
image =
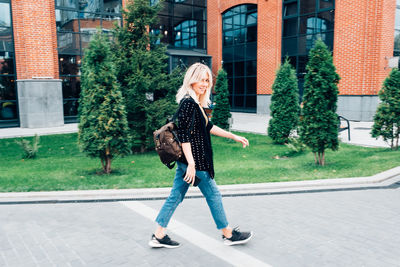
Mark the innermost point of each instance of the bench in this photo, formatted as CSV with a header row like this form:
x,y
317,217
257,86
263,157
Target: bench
x,y
345,127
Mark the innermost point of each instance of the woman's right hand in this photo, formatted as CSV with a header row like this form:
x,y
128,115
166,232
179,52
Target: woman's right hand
x,y
190,174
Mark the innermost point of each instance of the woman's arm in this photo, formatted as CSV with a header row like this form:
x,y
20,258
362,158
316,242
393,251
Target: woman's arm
x,y
191,169
215,130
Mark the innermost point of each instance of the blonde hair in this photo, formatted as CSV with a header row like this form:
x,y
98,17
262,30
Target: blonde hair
x,y
194,74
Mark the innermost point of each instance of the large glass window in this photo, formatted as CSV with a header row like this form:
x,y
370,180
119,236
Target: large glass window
x,y
77,21
239,54
182,24
8,90
305,21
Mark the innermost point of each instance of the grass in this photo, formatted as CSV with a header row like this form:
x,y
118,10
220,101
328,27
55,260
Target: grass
x,y
60,166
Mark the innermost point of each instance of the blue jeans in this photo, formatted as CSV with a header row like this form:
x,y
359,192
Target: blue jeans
x,y
207,187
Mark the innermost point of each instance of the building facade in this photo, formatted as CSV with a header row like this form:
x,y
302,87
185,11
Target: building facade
x,y
42,44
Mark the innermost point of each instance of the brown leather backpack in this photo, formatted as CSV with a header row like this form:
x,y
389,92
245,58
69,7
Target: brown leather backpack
x,y
167,143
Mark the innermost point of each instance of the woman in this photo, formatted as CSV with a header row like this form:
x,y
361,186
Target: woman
x,y
197,162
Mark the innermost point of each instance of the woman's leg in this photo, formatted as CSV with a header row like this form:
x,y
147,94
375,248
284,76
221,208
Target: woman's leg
x,y
176,196
213,197
214,200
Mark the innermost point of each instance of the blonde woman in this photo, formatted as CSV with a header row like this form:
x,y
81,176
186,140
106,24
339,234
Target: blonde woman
x,y
196,166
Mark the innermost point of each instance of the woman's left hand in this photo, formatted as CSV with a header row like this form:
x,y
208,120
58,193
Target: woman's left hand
x,y
242,140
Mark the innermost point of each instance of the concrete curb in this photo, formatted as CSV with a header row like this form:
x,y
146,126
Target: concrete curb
x,y
381,180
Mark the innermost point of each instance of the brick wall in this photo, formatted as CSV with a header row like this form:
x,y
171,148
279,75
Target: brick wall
x,y
364,39
268,37
35,38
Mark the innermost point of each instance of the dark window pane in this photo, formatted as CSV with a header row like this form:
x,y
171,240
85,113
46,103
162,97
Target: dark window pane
x,y
68,43
67,21
6,39
325,4
290,9
71,87
239,86
70,107
5,19
112,6
325,21
199,13
202,3
239,101
6,63
228,67
301,71
307,6
289,46
227,54
251,85
252,33
251,8
292,61
230,86
307,24
66,3
251,101
239,68
289,27
183,11
239,52
251,67
7,88
251,51
8,110
69,65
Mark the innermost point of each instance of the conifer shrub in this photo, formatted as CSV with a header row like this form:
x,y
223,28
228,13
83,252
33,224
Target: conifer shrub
x,y
222,110
319,124
103,127
387,116
284,106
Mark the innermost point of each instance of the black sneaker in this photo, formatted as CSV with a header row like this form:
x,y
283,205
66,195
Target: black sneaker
x,y
237,237
165,242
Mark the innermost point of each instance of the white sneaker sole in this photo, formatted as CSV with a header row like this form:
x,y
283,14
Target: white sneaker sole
x,y
155,244
230,243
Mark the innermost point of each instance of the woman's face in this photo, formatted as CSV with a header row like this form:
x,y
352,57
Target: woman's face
x,y
201,87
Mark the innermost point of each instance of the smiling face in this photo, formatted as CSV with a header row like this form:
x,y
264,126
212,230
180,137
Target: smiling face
x,y
202,86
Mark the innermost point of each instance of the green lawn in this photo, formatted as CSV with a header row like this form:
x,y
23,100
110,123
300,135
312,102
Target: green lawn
x,y
60,165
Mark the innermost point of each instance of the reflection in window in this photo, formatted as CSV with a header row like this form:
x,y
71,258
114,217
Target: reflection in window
x,y
186,34
8,95
182,24
77,21
315,20
239,54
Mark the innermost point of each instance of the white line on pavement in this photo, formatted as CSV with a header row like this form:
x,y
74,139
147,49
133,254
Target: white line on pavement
x,y
212,246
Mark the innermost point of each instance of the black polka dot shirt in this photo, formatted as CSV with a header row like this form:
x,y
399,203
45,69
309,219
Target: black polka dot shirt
x,y
199,138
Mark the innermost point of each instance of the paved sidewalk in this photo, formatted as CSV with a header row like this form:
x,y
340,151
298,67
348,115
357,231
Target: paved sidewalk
x,y
339,228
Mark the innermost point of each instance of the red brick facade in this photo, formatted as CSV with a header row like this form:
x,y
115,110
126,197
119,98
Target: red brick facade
x,y
35,39
364,39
